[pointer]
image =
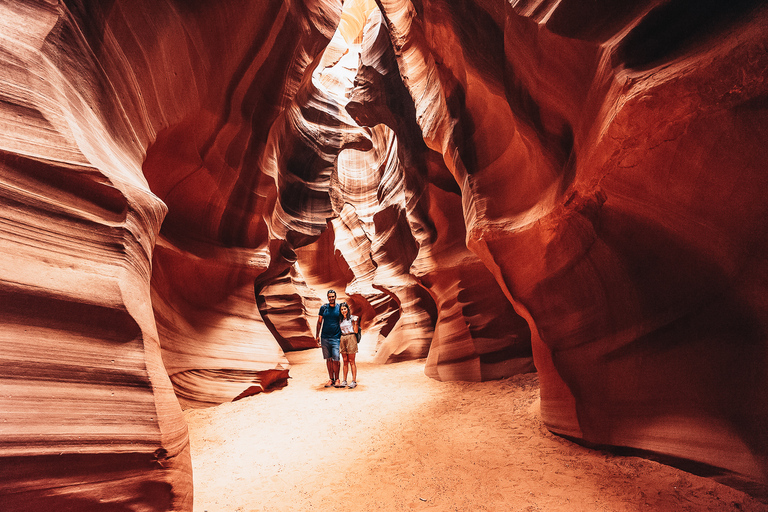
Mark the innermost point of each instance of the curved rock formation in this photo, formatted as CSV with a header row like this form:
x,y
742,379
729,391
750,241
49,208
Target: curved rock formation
x,y
489,184
89,414
109,123
600,159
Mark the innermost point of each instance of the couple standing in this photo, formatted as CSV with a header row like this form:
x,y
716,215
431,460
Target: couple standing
x,y
337,332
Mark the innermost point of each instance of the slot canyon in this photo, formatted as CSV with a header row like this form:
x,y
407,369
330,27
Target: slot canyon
x,y
575,188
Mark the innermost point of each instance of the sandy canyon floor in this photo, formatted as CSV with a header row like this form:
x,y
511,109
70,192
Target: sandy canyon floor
x,y
401,441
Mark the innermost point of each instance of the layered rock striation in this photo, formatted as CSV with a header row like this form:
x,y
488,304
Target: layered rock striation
x,y
496,187
600,157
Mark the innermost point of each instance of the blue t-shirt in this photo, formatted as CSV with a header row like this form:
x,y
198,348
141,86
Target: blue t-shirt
x,y
331,317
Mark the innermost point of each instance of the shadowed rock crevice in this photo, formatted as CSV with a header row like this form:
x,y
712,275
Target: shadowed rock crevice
x,y
671,28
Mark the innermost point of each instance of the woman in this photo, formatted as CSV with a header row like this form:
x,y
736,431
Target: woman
x,y
349,327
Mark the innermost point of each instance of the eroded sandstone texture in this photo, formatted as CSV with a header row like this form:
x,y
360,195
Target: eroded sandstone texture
x,y
575,184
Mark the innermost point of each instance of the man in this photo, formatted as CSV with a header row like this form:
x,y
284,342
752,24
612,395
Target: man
x,y
329,336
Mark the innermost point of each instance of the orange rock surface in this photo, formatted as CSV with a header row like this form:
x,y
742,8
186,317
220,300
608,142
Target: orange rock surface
x,y
497,187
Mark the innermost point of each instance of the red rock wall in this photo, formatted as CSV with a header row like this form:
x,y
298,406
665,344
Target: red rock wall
x,y
489,184
89,417
110,128
611,160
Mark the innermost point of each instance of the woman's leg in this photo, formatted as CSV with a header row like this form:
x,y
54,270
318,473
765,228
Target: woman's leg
x,y
346,364
352,363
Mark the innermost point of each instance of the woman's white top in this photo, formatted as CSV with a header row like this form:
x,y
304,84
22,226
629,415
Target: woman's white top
x,y
346,325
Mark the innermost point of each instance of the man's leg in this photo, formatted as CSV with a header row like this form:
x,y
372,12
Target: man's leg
x,y
327,353
337,371
336,364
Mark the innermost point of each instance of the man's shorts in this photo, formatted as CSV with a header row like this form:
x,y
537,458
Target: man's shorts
x,y
348,344
330,348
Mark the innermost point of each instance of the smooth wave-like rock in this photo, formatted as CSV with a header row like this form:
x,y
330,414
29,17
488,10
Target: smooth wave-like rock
x,y
615,231
89,415
491,185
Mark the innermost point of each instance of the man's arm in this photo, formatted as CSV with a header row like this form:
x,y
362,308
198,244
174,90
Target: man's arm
x,y
319,326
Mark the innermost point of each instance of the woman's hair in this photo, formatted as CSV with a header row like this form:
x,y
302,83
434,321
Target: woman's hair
x,y
349,310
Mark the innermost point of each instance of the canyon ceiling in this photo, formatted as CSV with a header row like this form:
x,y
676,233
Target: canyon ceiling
x,y
574,187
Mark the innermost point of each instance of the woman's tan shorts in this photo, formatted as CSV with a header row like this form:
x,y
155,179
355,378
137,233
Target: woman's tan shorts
x,y
348,344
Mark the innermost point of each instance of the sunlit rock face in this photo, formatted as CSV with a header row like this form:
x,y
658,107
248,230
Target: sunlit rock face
x,y
89,417
488,184
111,118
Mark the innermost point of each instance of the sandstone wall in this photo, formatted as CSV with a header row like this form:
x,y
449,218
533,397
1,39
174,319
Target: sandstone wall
x,y
604,153
492,185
